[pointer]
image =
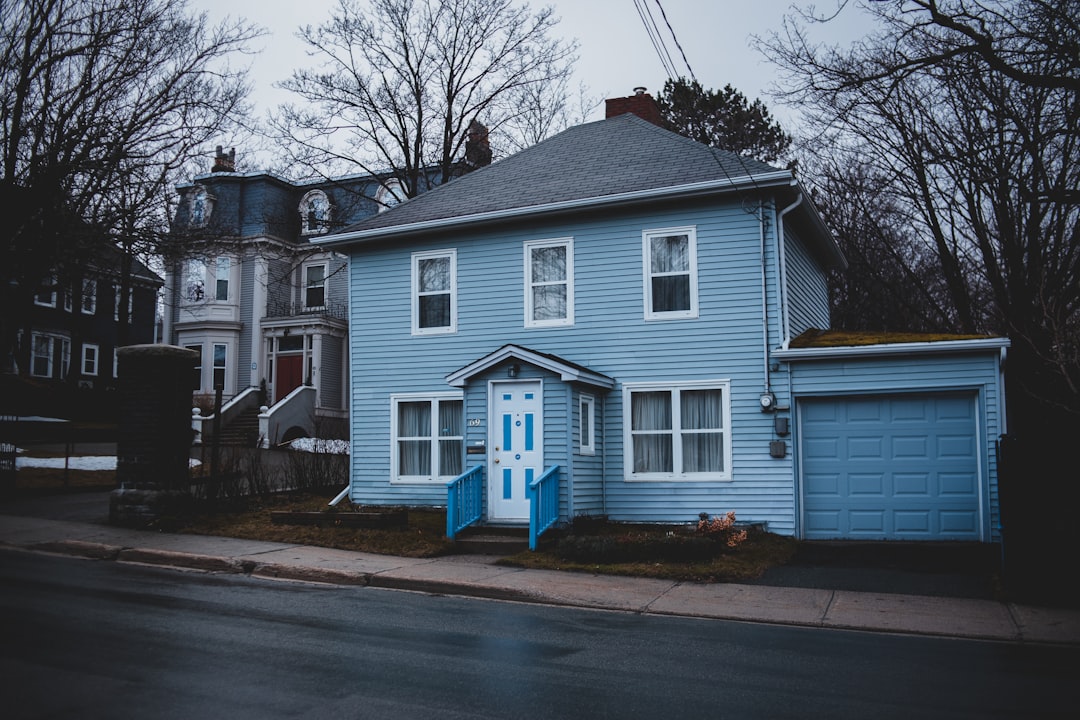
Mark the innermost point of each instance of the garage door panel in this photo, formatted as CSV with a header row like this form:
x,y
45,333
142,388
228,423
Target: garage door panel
x,y
890,467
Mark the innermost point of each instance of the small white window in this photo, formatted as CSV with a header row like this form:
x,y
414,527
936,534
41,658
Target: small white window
x,y
90,360
588,425
428,440
670,264
222,268
677,431
130,304
315,213
221,352
47,296
89,297
200,204
549,283
390,193
315,286
195,280
434,292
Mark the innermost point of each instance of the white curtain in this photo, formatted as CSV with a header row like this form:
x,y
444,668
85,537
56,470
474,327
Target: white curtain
x,y
414,445
650,426
451,440
549,282
702,411
670,269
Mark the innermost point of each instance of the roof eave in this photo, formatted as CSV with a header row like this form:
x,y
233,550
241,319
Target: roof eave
x,y
773,179
884,349
567,373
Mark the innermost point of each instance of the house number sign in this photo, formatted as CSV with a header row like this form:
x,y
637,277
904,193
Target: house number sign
x,y
474,422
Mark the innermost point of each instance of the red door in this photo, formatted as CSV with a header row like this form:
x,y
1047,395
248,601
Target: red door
x,y
290,375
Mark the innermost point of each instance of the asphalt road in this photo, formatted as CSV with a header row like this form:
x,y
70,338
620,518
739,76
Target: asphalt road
x,y
86,639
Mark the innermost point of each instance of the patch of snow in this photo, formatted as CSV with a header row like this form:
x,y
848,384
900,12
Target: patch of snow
x,y
319,445
38,418
85,462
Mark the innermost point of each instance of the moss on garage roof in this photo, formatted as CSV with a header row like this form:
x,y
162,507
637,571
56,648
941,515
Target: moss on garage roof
x,y
814,338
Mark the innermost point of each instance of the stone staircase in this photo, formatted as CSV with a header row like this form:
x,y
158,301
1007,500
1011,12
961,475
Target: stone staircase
x,y
243,431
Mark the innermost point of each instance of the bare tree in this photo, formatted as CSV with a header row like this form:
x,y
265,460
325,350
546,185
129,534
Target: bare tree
x,y
977,143
103,103
400,82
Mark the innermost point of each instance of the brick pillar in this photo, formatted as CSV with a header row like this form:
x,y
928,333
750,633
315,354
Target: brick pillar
x,y
155,435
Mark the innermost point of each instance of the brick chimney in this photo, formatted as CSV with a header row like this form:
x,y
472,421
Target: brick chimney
x,y
640,103
223,162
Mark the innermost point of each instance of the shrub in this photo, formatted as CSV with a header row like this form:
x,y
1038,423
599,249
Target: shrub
x,y
721,529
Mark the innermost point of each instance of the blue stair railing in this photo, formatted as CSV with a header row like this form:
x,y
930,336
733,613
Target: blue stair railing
x,y
464,500
543,504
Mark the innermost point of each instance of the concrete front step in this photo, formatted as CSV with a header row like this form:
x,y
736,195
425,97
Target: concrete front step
x,y
492,544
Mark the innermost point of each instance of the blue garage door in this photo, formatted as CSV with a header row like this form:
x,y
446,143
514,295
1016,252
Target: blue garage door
x,y
900,467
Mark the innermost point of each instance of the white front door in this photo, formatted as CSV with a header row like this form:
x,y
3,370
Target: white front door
x,y
517,452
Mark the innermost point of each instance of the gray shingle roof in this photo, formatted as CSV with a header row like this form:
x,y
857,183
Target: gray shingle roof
x,y
619,155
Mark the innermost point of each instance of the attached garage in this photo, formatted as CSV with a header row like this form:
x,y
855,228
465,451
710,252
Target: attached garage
x,y
891,467
896,441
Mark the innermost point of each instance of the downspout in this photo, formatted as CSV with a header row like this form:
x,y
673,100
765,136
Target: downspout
x,y
764,298
603,454
785,323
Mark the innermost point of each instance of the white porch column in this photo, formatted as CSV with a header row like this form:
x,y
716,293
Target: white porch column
x,y
258,312
316,366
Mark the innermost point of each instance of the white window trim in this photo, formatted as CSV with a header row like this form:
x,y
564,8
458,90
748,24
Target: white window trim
x,y
646,264
587,448
675,387
91,296
415,292
390,194
304,282
86,349
226,389
530,245
208,206
433,398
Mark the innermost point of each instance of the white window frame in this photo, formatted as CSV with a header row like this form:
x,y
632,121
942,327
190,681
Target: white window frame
x,y
224,367
587,426
88,302
221,269
91,355
417,258
305,284
675,388
323,222
646,257
395,460
530,245
34,355
199,219
390,194
51,302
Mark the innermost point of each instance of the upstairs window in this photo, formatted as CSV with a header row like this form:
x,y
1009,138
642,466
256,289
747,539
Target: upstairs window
x,y
434,292
315,213
390,193
315,286
89,297
670,262
47,296
549,283
200,204
221,278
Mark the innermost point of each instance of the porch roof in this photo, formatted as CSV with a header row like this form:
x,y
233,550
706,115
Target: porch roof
x,y
567,371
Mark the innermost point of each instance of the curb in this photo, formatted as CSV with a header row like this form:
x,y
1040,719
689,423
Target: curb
x,y
274,571
189,561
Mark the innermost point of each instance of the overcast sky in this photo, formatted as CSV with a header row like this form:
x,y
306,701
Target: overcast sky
x,y
615,52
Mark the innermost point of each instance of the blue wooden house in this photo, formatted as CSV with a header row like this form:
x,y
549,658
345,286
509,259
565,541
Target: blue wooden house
x,y
619,321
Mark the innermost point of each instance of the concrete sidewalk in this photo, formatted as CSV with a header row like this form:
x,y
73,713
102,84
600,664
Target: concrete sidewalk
x,y
478,576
